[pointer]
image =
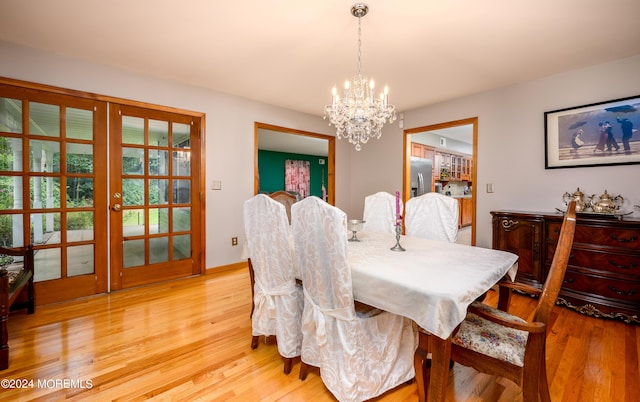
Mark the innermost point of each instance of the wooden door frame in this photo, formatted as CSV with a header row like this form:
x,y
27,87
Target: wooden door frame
x,y
406,178
331,155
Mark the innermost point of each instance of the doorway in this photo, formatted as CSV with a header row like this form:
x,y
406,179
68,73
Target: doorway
x,y
450,151
270,138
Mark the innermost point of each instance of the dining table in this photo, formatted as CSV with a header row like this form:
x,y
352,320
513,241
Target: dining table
x,y
431,282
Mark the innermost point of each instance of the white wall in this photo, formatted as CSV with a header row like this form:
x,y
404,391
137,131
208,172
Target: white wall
x,y
511,144
229,131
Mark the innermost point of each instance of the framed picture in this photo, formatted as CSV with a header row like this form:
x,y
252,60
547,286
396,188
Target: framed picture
x,y
598,134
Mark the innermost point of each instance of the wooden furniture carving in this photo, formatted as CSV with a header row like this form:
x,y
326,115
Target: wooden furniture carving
x,y
16,292
494,342
603,277
285,198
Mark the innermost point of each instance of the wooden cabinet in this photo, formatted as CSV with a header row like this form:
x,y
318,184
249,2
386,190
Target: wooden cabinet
x,y
466,211
603,275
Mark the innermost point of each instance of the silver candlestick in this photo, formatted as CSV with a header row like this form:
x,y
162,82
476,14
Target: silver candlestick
x,y
398,247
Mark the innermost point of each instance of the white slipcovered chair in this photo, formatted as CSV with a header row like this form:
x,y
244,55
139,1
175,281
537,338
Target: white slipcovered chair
x,y
359,356
380,212
432,216
277,300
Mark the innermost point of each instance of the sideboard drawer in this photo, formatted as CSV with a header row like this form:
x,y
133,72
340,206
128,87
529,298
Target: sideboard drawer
x,y
612,289
604,236
603,261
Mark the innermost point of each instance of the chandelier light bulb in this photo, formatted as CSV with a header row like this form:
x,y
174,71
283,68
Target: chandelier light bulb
x,y
359,116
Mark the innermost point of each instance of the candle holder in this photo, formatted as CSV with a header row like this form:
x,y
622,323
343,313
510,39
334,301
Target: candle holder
x,y
398,247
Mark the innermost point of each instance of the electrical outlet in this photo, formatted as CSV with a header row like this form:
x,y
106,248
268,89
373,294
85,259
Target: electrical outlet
x,y
234,241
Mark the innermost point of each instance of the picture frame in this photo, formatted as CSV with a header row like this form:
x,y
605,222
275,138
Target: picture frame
x,y
598,134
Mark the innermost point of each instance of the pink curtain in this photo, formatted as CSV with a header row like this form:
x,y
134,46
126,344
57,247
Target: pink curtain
x,y
296,177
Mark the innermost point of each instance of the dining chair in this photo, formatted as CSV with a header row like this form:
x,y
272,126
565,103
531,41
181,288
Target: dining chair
x,y
432,216
361,353
277,299
380,212
495,342
286,198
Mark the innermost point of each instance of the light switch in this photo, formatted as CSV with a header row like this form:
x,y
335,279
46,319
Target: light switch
x,y
216,185
489,187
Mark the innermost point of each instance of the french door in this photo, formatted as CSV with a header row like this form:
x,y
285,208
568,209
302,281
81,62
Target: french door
x,y
53,188
119,208
155,195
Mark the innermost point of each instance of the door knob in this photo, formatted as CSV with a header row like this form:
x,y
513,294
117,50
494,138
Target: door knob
x,y
116,207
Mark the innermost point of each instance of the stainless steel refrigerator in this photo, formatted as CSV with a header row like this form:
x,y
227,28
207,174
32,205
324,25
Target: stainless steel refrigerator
x,y
421,172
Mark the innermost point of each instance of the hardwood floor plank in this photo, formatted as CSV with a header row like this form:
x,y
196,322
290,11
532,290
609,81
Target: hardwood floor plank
x,y
189,340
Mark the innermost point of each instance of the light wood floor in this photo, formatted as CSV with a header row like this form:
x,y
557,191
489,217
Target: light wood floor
x,y
190,340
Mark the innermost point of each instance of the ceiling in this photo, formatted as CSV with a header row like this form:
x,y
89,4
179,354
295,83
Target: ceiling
x,y
290,53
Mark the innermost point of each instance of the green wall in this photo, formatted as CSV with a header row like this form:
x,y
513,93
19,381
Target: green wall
x,y
271,170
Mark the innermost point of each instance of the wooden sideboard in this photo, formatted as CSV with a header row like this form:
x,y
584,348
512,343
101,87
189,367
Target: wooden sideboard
x,y
603,275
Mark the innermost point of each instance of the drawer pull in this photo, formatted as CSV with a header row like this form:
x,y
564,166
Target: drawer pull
x,y
568,280
621,292
630,266
623,240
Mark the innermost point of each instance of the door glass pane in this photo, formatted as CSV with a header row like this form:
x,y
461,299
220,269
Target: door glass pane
x,y
132,191
158,249
10,115
79,226
158,133
45,156
11,234
42,192
181,135
181,219
10,192
10,154
132,253
79,124
181,191
158,191
181,163
79,158
181,247
133,222
44,119
158,220
45,228
80,260
132,130
79,192
132,161
158,162
47,264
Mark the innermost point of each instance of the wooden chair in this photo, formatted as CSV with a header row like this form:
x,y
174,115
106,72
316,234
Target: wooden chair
x,y
16,292
380,212
517,347
360,354
432,216
285,198
277,299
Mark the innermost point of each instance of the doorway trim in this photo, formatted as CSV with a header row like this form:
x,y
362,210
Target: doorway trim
x,y
331,155
406,169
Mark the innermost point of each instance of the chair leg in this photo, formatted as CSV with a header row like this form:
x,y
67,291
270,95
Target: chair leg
x,y
545,396
288,362
304,370
254,342
4,343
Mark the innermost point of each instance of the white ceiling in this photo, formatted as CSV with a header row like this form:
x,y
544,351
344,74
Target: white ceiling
x,y
290,53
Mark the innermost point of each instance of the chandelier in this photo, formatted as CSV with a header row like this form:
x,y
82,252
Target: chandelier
x,y
359,116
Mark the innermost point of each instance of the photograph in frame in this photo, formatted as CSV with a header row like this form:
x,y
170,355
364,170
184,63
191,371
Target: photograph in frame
x,y
599,134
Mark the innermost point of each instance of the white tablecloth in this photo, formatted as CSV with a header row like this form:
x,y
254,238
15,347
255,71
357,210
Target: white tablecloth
x,y
432,282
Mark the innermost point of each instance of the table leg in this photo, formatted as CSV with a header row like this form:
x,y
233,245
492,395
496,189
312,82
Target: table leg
x,y
420,363
440,356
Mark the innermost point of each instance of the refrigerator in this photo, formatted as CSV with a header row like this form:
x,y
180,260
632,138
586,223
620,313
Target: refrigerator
x,y
421,172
